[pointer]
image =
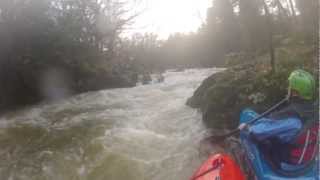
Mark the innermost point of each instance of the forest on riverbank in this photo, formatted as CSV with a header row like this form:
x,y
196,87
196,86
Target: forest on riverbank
x,y
258,78
51,49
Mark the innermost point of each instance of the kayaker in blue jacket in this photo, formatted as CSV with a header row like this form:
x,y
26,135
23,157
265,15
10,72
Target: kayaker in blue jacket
x,y
284,136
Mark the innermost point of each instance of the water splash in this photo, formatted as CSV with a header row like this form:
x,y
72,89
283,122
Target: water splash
x,y
145,132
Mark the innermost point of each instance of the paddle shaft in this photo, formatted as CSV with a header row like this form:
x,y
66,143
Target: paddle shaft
x,y
204,173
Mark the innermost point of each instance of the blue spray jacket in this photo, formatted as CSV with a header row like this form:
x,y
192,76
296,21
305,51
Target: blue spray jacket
x,y
285,123
277,134
285,129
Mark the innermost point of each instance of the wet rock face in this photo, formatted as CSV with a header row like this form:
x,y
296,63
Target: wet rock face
x,y
222,96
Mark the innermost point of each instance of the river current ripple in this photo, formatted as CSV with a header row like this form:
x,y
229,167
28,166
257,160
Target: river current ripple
x,y
141,133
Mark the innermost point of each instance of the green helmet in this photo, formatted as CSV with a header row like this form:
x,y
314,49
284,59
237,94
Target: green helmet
x,y
303,82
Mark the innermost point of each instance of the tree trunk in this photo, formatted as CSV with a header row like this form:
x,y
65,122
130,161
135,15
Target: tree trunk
x,y
282,10
270,36
292,10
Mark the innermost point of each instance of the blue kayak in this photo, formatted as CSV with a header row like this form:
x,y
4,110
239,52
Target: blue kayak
x,y
262,169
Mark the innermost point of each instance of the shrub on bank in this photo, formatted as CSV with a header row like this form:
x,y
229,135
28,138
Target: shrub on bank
x,y
223,95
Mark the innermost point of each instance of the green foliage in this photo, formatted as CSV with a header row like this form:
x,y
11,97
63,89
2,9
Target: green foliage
x,y
222,96
76,37
234,32
233,59
309,19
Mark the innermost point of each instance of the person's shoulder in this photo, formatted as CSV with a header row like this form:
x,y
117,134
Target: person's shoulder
x,y
303,103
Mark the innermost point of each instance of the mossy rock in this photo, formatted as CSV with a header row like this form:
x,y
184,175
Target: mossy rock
x,y
222,96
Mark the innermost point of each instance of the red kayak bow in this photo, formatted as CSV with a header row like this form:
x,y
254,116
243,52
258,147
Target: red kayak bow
x,y
219,166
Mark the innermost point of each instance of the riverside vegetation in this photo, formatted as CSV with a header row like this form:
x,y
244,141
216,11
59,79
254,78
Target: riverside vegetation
x,y
274,40
51,49
222,96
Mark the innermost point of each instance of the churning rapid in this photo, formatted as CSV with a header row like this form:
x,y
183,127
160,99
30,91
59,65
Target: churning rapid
x,y
141,133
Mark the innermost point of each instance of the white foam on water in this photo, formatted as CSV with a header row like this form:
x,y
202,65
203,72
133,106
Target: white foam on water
x,y
146,130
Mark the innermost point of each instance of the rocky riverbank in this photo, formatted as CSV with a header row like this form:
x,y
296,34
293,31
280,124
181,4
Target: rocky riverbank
x,y
222,96
31,84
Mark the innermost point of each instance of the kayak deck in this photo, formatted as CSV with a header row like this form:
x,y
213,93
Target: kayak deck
x,y
218,166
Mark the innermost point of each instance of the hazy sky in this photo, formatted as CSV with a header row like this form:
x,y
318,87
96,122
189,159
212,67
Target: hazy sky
x,y
164,17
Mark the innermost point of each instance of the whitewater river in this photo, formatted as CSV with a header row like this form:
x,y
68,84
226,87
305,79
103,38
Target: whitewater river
x,y
141,133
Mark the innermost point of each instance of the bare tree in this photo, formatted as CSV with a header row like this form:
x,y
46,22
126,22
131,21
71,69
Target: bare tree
x,y
293,11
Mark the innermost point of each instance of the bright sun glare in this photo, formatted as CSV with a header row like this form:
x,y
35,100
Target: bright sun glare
x,y
165,17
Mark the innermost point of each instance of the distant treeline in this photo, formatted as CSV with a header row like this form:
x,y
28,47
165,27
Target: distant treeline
x,y
241,28
50,49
